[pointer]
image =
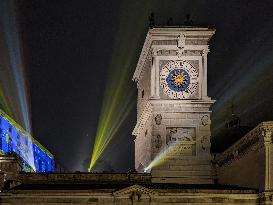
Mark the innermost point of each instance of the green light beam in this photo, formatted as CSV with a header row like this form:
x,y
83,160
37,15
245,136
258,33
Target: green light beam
x,y
119,93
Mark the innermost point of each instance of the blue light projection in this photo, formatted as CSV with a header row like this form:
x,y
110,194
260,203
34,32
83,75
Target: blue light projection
x,y
15,140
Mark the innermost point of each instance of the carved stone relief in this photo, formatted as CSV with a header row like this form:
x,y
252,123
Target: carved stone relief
x,y
158,119
180,52
205,120
158,142
205,143
181,45
183,140
164,42
181,41
164,52
196,42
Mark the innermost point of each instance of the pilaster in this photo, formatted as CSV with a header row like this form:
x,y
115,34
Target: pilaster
x,y
205,65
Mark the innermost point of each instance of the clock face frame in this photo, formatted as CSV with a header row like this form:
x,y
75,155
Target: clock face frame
x,y
179,80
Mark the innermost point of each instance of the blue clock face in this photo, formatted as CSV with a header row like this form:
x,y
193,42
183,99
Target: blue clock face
x,y
178,80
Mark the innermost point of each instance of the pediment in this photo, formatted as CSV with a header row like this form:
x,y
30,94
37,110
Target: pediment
x,y
135,189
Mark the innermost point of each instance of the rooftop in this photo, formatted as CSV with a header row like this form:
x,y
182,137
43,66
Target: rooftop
x,y
113,181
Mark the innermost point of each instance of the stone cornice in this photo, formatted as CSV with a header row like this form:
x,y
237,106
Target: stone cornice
x,y
178,106
253,140
189,106
184,102
143,55
143,119
191,34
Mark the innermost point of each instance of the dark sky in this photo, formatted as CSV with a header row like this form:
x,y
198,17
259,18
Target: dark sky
x,y
71,48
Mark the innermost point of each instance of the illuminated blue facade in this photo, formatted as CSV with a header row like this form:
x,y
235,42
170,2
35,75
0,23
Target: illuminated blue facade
x,y
15,140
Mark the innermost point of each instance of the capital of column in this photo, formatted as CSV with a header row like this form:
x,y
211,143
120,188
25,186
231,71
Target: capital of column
x,y
155,52
205,51
267,134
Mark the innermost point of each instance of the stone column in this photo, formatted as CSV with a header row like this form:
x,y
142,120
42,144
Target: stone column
x,y
156,77
267,134
266,198
153,73
204,77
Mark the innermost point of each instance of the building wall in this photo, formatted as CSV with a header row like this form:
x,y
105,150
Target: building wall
x,y
185,161
116,189
143,147
172,121
144,89
16,141
143,139
248,162
247,171
210,197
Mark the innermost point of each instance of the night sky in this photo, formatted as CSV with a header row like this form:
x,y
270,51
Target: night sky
x,y
72,48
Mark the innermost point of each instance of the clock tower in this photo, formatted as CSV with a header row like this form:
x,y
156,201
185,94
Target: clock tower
x,y
172,134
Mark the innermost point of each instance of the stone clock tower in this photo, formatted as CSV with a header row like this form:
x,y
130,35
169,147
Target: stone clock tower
x,y
173,117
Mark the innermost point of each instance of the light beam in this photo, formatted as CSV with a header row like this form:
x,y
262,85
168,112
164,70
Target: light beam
x,y
163,156
12,75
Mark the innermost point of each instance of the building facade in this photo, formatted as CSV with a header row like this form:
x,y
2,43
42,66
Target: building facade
x,y
14,140
173,106
172,139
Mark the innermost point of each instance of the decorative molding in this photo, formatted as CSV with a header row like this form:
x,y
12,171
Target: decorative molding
x,y
253,140
158,119
180,52
143,119
157,142
205,143
192,36
148,60
205,51
155,51
265,197
190,106
143,55
205,120
135,190
181,41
